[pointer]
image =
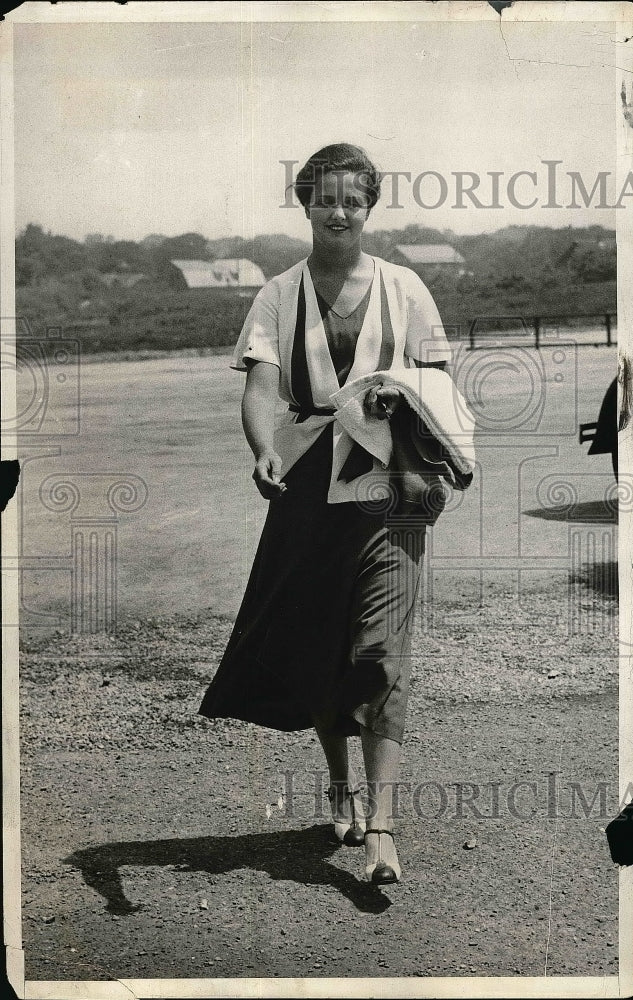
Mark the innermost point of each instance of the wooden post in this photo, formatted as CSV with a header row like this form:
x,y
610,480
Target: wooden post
x,y
471,334
537,332
607,320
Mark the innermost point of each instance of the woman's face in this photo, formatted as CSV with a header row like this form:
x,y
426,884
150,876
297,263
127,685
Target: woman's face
x,y
338,210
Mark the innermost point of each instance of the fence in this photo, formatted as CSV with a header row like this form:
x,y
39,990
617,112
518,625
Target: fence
x,y
506,325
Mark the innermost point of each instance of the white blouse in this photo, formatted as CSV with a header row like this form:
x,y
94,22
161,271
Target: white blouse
x,y
269,333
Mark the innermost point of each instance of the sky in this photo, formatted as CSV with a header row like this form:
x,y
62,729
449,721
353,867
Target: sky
x,y
129,129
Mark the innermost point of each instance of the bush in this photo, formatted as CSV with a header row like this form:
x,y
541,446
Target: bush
x,y
520,271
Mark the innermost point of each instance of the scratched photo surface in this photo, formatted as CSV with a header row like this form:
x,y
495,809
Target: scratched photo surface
x,y
153,169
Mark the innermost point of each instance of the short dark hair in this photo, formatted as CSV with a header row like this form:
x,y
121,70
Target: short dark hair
x,y
340,157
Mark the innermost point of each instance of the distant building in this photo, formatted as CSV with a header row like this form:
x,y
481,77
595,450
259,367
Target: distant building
x,y
121,279
428,259
237,274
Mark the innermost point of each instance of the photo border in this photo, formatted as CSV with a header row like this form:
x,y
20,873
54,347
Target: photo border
x,y
135,12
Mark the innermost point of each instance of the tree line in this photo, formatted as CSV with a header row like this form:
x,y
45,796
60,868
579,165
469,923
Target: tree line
x,y
518,270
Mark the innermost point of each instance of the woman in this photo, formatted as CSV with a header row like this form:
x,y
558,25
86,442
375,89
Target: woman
x,y
322,636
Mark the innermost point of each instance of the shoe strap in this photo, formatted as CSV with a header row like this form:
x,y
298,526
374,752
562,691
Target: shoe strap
x,y
349,792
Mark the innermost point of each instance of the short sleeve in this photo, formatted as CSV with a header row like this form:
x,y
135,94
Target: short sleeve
x,y
426,340
259,338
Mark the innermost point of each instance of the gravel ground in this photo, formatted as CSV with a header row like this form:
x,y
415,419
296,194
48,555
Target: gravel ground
x,y
157,844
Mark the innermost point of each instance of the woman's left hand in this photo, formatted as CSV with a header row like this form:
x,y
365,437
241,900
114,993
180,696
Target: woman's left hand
x,y
381,402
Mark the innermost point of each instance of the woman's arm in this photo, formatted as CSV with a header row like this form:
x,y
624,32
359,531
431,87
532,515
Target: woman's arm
x,y
425,338
258,420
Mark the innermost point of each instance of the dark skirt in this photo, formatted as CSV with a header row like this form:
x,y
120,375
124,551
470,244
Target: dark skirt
x,y
325,623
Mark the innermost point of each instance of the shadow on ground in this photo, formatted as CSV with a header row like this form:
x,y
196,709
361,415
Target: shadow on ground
x,y
294,855
591,512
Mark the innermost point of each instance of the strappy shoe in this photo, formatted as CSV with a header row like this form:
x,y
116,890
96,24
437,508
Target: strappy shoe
x,y
380,873
352,834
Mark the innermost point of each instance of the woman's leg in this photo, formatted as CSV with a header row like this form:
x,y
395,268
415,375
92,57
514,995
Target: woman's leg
x,y
342,775
382,766
335,750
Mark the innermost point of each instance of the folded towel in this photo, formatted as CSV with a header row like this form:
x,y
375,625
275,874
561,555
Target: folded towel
x,y
433,396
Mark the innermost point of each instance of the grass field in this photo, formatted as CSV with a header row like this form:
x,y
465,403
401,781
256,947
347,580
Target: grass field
x,y
173,423
154,845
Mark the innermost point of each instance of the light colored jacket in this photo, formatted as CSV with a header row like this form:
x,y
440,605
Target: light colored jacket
x,y
284,327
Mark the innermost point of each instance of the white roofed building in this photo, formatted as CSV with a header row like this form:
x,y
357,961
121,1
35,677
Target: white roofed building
x,y
428,259
229,273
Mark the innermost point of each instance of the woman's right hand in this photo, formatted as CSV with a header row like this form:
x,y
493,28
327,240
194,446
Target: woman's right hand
x,y
266,475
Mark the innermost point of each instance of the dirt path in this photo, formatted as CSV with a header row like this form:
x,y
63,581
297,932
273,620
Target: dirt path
x,y
157,844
